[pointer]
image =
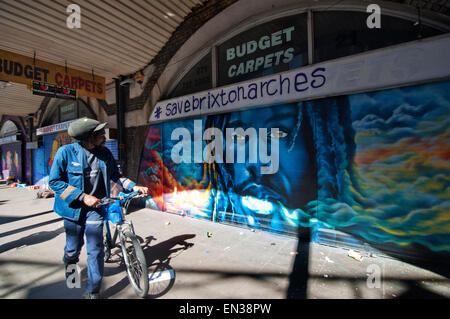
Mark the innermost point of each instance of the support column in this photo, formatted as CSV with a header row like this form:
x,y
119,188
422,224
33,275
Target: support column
x,y
30,125
120,116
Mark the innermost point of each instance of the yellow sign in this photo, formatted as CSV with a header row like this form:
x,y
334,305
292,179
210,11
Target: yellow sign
x,y
21,69
139,77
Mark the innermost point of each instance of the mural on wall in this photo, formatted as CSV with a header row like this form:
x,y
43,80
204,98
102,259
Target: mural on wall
x,y
11,160
59,140
175,187
43,157
372,164
403,158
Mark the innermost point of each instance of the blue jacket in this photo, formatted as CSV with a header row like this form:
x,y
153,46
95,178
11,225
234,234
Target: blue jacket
x,y
66,178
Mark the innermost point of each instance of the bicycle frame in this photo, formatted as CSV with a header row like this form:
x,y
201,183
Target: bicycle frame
x,y
133,255
117,230
123,202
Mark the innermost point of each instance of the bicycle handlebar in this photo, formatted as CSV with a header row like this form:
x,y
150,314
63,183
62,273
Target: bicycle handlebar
x,y
122,198
130,195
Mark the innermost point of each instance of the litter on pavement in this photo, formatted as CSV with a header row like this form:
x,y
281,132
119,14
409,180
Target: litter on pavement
x,y
161,276
355,255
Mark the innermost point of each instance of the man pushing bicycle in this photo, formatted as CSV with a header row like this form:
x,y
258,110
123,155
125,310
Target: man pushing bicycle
x,y
80,176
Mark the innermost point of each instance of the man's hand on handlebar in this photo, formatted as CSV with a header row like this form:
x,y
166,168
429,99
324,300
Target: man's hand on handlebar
x,y
90,201
141,189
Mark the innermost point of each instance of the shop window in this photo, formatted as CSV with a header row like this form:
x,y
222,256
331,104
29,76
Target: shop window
x,y
269,48
67,110
342,33
8,129
199,78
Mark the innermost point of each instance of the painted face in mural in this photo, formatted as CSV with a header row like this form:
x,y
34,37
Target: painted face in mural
x,y
270,200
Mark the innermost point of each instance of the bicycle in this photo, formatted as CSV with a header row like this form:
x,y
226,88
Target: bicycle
x,y
133,255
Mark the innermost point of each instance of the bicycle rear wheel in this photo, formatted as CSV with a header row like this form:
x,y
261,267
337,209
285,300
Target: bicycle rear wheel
x,y
135,263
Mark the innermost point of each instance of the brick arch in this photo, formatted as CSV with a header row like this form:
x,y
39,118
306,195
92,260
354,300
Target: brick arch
x,y
44,109
18,121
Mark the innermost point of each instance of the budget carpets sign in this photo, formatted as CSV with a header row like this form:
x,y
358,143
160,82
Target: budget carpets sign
x,y
401,65
270,46
21,69
53,128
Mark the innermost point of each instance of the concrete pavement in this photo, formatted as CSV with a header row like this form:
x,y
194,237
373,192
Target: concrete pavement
x,y
184,262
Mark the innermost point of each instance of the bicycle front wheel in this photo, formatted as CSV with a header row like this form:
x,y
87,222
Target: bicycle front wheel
x,y
106,242
135,263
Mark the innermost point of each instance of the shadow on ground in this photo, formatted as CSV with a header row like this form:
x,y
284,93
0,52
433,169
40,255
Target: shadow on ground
x,y
158,259
10,219
32,239
19,230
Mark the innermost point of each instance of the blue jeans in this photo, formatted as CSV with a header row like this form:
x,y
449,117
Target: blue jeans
x,y
90,225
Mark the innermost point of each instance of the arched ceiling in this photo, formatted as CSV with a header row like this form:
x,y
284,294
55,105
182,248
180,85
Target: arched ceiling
x,y
117,37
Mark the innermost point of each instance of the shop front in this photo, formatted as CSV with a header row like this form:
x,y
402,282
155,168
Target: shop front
x,y
286,125
12,151
53,136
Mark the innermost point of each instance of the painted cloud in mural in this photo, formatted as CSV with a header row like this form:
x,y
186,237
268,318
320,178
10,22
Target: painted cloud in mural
x,y
403,154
